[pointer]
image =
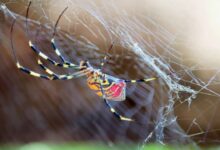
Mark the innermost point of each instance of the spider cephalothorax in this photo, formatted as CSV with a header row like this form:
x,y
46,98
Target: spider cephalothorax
x,y
104,85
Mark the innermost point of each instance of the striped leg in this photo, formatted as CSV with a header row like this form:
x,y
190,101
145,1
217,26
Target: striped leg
x,y
52,75
41,54
57,51
33,73
22,68
63,76
116,114
140,80
44,56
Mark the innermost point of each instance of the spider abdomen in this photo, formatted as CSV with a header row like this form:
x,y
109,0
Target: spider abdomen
x,y
113,88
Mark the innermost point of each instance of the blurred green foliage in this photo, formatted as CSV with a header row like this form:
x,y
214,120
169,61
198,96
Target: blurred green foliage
x,y
89,146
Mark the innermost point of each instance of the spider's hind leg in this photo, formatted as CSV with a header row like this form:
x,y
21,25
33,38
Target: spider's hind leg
x,y
116,114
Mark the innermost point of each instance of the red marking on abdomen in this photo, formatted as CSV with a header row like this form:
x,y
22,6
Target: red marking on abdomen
x,y
117,89
114,91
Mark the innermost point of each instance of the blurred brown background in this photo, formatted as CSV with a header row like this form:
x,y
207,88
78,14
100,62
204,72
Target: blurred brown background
x,y
34,109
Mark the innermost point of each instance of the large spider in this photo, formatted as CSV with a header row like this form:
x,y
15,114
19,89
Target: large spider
x,y
105,86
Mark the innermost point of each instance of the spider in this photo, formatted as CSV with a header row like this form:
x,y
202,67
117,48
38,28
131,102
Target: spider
x,y
106,86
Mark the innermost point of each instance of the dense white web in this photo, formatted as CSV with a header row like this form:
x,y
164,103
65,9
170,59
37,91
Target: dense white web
x,y
142,48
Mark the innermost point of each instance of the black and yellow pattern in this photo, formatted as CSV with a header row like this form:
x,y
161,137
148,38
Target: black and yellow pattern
x,y
140,80
52,75
104,81
116,113
65,64
94,84
33,73
57,51
63,76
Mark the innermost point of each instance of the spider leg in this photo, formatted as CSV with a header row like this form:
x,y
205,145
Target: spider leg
x,y
116,114
41,54
57,51
28,71
33,73
22,68
105,59
140,80
44,56
52,75
63,76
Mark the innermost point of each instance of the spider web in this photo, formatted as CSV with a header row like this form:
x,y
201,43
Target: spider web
x,y
168,110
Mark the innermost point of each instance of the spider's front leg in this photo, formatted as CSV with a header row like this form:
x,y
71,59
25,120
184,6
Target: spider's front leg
x,y
22,68
63,76
52,75
33,73
45,57
65,64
